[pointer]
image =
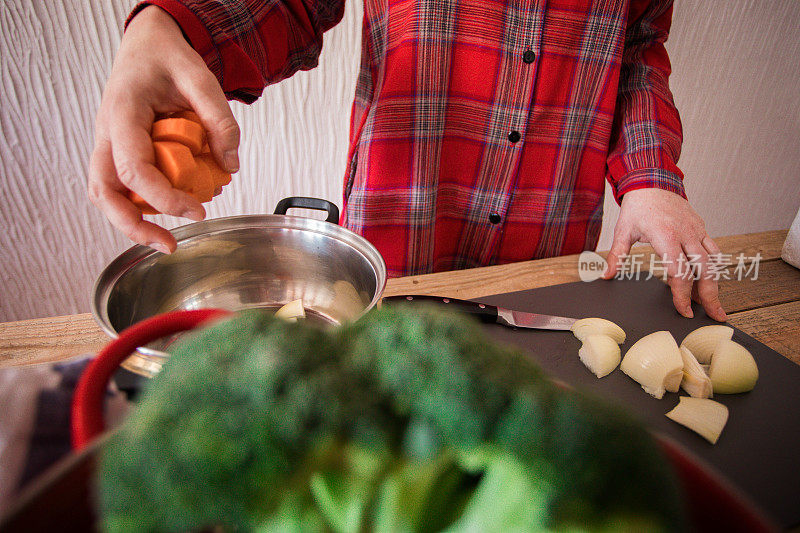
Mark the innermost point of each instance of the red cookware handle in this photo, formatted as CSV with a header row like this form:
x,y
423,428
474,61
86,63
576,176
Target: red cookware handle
x,y
87,403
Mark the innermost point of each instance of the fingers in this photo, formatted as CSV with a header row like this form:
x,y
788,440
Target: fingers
x,y
689,276
132,153
205,96
710,246
681,286
111,199
679,279
619,249
705,290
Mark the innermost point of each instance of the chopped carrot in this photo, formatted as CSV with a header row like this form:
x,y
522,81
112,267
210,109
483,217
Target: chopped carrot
x,y
188,115
180,130
140,202
182,154
176,162
221,178
203,183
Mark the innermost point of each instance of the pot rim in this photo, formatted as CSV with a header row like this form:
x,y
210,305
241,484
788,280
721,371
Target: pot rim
x,y
128,259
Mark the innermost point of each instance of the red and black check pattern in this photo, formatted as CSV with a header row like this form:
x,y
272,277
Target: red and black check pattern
x,y
464,149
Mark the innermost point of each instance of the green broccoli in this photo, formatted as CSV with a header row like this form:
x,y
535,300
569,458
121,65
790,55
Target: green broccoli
x,y
407,421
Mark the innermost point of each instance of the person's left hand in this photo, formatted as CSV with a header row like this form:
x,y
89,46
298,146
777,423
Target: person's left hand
x,y
675,231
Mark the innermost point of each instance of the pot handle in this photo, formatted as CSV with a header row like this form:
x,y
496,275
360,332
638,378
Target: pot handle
x,y
309,203
87,402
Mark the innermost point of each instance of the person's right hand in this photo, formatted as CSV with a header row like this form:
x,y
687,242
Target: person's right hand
x,y
155,72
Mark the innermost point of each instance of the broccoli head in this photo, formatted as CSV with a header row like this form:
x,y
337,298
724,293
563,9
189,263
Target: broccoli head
x,y
407,420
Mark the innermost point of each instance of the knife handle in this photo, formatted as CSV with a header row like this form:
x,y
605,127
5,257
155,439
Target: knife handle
x,y
484,312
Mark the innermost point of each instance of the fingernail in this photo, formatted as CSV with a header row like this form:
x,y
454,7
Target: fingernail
x,y
193,214
231,158
160,247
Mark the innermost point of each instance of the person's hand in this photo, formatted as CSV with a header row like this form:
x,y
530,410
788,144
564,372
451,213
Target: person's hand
x,y
677,234
155,72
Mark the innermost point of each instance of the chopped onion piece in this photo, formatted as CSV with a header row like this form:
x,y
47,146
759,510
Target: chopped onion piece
x,y
292,311
702,341
655,362
597,326
732,369
705,417
695,380
600,354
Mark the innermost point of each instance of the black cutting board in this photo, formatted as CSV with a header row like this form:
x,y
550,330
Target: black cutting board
x,y
759,449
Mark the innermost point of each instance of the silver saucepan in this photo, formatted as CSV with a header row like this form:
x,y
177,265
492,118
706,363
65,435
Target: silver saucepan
x,y
242,262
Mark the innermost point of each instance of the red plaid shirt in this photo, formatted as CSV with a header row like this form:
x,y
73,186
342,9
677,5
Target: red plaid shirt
x,y
482,130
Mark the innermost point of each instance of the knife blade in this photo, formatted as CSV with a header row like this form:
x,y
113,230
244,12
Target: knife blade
x,y
492,313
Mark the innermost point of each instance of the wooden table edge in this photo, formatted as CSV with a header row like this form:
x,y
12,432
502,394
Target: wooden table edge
x,y
50,339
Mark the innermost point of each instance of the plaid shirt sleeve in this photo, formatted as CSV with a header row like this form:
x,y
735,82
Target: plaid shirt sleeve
x,y
646,139
249,44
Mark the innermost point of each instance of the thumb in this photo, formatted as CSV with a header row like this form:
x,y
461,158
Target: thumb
x,y
619,249
205,95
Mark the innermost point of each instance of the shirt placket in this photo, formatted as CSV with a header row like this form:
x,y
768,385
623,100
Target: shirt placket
x,y
508,125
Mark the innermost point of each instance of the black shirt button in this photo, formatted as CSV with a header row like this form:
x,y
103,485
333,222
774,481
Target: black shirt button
x,y
514,136
494,218
528,56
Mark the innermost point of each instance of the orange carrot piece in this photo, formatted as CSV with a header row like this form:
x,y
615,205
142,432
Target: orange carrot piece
x,y
143,206
176,162
203,185
221,178
180,130
188,115
177,139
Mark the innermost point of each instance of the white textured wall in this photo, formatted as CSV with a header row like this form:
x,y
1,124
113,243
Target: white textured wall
x,y
736,73
736,82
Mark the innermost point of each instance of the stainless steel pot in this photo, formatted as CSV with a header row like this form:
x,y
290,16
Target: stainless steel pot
x,y
242,262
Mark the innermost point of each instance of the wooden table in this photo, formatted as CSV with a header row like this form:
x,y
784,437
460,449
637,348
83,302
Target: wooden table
x,y
767,308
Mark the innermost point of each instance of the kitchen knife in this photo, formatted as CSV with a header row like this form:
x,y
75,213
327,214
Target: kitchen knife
x,y
493,314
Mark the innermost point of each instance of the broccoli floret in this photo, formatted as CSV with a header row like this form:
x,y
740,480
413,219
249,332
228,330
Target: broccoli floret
x,y
231,415
600,463
438,371
408,420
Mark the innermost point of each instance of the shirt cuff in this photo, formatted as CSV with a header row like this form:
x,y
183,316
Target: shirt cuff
x,y
649,178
